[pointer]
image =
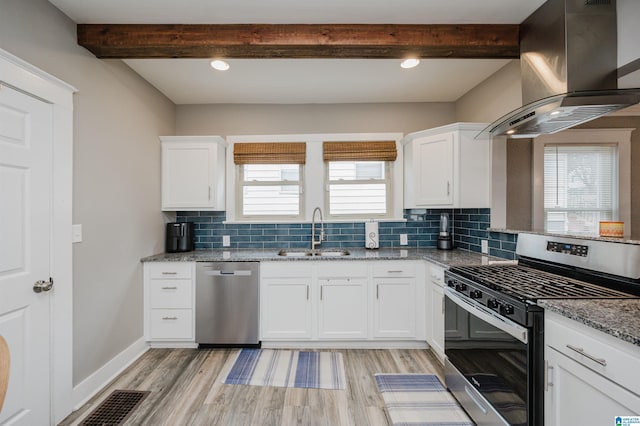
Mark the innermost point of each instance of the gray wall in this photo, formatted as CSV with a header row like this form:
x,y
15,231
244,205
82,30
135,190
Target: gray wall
x,y
496,96
117,120
258,119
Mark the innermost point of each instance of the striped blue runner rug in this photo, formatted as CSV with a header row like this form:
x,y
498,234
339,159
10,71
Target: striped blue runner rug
x,y
287,368
420,399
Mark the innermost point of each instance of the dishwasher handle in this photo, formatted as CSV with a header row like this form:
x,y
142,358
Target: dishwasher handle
x,y
220,273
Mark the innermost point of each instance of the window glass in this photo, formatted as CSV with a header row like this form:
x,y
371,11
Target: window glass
x,y
358,188
580,187
269,190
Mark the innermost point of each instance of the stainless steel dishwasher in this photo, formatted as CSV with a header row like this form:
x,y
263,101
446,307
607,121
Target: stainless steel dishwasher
x,y
227,303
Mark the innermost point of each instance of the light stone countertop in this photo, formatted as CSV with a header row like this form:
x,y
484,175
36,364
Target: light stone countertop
x,y
619,318
444,258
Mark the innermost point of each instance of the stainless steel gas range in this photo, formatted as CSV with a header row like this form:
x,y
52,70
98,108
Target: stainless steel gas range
x,y
494,329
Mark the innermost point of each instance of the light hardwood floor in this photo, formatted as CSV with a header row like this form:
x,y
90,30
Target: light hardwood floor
x,y
186,389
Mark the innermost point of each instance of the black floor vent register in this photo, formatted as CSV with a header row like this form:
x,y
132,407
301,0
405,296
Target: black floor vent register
x,y
115,409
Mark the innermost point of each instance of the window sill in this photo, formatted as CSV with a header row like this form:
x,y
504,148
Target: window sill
x,y
263,221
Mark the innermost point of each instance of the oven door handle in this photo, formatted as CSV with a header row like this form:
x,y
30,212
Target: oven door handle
x,y
485,314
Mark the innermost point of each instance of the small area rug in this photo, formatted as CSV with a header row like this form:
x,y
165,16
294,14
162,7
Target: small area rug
x,y
287,368
420,399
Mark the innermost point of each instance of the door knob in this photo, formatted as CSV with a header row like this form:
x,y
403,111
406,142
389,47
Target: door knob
x,y
42,285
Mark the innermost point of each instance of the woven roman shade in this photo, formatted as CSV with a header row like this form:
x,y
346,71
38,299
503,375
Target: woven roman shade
x,y
359,151
269,153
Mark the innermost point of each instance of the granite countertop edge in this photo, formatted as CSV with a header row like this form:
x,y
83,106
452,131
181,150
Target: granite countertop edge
x,y
444,258
614,317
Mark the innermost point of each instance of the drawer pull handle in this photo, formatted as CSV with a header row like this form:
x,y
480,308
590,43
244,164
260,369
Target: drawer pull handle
x,y
170,288
169,318
169,273
581,351
394,272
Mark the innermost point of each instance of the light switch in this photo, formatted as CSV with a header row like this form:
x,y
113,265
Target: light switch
x,y
403,240
484,246
76,233
226,240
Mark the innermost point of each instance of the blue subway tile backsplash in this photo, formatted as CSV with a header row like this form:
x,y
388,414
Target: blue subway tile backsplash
x,y
421,226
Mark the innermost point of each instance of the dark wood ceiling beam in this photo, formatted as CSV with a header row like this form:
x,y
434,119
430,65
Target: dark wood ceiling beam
x,y
376,41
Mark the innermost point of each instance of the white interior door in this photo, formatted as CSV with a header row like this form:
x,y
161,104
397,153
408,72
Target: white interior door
x,y
25,216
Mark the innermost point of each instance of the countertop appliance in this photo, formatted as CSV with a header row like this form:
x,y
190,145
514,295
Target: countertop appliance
x,y
494,341
179,237
227,304
445,239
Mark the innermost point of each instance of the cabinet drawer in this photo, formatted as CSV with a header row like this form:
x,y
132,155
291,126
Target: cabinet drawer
x,y
342,269
621,359
436,275
170,294
171,324
170,269
394,269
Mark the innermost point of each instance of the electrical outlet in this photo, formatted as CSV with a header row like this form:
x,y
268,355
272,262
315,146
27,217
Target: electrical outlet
x,y
404,240
226,240
484,246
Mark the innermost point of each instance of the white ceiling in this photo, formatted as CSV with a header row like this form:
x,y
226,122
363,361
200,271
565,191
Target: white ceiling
x,y
192,81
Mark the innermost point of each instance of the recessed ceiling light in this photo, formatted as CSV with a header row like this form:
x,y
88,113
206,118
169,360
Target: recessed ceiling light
x,y
410,63
556,112
510,132
219,65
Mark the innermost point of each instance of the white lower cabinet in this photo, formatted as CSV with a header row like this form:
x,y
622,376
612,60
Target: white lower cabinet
x,y
342,300
591,377
435,309
286,308
395,296
342,308
285,300
169,290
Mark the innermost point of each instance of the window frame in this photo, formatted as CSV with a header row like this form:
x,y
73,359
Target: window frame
x,y
620,137
388,173
313,189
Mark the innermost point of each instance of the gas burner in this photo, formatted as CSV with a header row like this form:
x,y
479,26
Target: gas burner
x,y
528,284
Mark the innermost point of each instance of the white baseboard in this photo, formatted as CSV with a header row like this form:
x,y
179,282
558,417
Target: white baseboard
x,y
90,386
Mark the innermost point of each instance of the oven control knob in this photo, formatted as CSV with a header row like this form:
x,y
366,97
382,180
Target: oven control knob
x,y
493,303
461,287
506,309
475,294
451,283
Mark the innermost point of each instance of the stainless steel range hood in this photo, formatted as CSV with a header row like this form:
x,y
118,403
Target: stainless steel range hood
x,y
568,60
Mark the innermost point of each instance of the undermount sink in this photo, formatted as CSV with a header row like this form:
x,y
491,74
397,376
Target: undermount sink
x,y
321,253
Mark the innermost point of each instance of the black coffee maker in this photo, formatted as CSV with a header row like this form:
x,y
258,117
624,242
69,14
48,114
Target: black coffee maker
x,y
180,236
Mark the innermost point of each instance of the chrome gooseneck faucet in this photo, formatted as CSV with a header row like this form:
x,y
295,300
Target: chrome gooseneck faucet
x,y
315,242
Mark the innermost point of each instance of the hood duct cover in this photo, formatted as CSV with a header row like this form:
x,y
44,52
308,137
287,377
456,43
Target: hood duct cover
x,y
568,60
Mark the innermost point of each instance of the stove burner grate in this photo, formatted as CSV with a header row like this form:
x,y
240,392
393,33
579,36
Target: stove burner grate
x,y
526,283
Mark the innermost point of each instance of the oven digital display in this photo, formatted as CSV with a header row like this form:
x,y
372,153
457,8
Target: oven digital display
x,y
572,249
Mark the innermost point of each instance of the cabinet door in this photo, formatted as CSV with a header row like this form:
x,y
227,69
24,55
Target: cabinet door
x,y
286,308
436,325
433,170
575,395
188,176
394,314
343,308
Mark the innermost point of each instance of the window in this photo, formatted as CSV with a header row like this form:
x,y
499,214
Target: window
x,y
270,177
358,180
580,187
270,189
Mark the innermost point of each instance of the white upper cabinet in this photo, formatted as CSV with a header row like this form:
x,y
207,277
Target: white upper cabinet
x,y
193,173
447,167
